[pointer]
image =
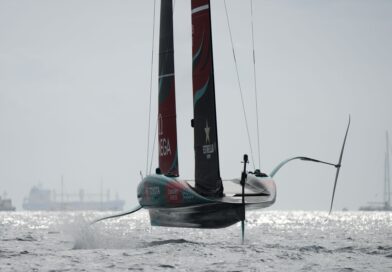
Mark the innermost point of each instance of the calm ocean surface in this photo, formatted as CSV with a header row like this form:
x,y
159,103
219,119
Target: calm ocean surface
x,y
275,241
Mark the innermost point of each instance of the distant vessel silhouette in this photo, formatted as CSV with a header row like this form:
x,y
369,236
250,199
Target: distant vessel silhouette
x,y
6,204
386,204
41,199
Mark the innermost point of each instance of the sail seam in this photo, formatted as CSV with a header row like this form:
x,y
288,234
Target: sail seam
x,y
166,75
201,8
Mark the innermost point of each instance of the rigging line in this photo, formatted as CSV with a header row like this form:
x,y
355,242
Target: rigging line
x,y
255,84
239,85
151,76
153,144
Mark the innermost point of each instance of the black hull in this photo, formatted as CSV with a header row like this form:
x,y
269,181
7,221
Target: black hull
x,y
210,216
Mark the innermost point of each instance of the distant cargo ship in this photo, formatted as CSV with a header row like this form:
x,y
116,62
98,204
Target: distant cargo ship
x,y
6,204
386,204
40,199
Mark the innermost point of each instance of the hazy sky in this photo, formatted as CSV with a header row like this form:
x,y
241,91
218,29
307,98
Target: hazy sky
x,y
74,94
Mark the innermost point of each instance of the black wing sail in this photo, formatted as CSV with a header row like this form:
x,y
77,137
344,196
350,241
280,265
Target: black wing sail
x,y
207,175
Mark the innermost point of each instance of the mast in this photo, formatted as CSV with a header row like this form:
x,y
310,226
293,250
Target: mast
x,y
207,175
62,192
387,183
167,128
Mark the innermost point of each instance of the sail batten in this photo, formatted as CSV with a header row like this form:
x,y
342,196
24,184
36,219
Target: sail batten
x,y
207,174
167,127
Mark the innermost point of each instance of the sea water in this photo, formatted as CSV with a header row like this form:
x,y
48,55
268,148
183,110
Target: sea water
x,y
274,241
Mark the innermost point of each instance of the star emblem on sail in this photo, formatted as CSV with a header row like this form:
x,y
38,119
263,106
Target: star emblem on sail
x,y
207,131
208,148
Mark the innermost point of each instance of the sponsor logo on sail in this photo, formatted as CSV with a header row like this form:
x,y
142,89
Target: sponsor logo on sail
x,y
164,143
164,147
160,124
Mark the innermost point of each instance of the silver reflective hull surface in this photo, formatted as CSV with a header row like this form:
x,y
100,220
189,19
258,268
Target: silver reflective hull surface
x,y
174,203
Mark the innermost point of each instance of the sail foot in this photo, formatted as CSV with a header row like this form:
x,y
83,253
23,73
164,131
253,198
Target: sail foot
x,y
210,191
